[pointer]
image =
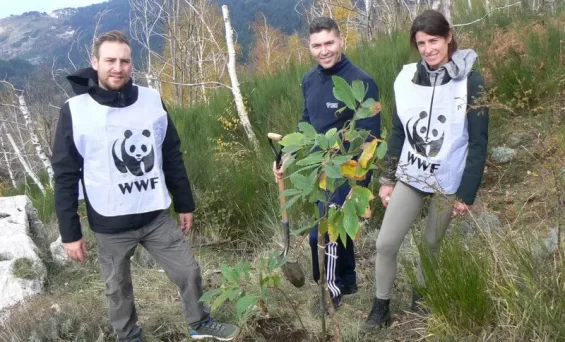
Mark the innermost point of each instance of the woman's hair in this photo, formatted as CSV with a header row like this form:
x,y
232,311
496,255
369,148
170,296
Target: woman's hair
x,y
433,23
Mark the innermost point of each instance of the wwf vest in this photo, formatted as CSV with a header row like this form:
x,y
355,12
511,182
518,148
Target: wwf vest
x,y
435,125
121,148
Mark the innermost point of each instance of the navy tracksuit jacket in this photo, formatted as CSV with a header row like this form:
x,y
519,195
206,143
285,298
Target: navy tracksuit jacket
x,y
320,108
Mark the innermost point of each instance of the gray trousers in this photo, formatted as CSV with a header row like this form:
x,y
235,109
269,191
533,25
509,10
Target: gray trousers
x,y
165,242
403,209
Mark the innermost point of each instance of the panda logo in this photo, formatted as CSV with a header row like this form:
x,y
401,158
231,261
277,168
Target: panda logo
x,y
134,151
425,136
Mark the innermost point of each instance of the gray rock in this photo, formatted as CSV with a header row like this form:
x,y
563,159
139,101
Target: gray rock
x,y
517,139
58,252
16,246
550,242
547,244
482,219
503,155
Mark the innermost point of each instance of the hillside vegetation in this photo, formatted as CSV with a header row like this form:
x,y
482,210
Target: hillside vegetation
x,y
501,279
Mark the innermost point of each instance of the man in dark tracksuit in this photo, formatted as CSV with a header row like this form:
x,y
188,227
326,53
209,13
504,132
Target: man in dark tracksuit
x,y
118,140
320,108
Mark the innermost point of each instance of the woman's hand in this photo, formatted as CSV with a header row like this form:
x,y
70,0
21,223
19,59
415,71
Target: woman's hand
x,y
385,192
460,208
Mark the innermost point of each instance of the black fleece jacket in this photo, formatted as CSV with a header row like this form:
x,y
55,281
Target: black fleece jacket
x,y
68,164
477,124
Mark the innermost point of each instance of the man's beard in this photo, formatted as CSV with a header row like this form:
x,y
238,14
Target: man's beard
x,y
108,86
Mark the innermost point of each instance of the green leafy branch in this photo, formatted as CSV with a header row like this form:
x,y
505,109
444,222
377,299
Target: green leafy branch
x,y
325,162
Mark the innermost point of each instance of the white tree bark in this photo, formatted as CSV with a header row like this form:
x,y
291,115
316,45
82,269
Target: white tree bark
x,y
7,161
446,4
241,111
435,5
22,160
34,139
368,6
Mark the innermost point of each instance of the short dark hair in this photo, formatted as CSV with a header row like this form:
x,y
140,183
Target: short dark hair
x,y
110,36
323,24
433,23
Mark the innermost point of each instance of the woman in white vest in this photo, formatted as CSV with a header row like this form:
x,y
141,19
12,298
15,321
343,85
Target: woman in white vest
x,y
437,151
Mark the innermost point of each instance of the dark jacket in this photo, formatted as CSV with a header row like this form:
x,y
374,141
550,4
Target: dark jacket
x,y
68,164
477,123
320,105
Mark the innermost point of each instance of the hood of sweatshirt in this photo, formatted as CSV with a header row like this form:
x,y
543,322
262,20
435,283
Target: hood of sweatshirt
x,y
86,81
459,66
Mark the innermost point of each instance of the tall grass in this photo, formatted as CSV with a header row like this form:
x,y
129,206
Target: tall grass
x,y
45,205
497,286
457,285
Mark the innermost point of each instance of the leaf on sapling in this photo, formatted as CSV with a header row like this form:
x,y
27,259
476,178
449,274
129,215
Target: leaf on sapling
x,y
350,219
368,153
292,139
381,150
308,130
244,305
351,170
358,89
343,92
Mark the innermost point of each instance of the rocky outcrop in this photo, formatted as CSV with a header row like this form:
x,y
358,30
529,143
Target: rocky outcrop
x,y
21,270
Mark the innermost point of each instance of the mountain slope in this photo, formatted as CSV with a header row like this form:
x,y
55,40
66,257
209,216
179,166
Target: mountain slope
x,y
42,38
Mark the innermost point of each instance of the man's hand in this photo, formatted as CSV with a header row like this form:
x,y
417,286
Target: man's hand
x,y
279,173
460,208
385,192
76,250
185,222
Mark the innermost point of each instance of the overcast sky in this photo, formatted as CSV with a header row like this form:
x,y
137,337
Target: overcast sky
x,y
8,7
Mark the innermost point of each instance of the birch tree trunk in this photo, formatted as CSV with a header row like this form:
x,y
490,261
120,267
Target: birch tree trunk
x,y
241,111
369,18
34,139
22,160
446,4
149,80
7,161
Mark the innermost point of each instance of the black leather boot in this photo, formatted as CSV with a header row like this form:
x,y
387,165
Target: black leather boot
x,y
379,317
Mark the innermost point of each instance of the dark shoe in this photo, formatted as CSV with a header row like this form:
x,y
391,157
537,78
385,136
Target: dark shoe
x,y
417,306
379,317
215,330
317,308
348,290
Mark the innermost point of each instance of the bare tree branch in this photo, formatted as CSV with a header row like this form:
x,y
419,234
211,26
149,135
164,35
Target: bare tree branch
x,y
486,15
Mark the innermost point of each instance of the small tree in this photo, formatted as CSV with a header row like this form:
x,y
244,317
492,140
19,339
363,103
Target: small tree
x,y
326,162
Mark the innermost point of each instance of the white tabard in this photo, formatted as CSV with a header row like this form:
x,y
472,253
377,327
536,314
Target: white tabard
x,y
435,124
122,152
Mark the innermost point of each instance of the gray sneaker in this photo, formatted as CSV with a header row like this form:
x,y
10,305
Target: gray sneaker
x,y
215,330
